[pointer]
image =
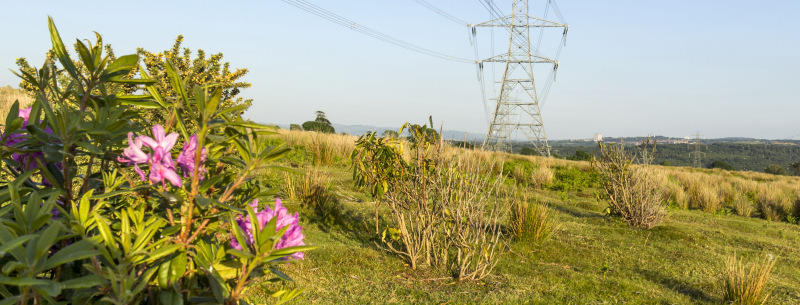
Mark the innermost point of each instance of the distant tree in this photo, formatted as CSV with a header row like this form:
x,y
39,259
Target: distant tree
x,y
795,168
321,118
390,134
665,163
776,169
556,155
581,155
722,165
320,124
318,127
295,127
529,151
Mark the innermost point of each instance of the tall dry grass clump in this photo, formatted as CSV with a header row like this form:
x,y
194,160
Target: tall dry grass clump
x,y
531,221
743,285
325,149
311,189
742,205
542,176
7,97
773,203
702,195
632,190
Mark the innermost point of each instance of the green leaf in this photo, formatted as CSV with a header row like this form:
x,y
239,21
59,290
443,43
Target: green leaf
x,y
281,275
77,251
291,250
60,50
89,147
213,103
85,54
177,267
120,67
83,282
176,81
240,253
16,242
13,114
163,251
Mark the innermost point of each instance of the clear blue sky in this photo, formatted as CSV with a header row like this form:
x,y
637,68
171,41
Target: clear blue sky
x,y
725,68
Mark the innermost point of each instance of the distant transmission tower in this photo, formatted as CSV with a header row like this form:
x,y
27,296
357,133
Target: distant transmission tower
x,y
697,155
518,104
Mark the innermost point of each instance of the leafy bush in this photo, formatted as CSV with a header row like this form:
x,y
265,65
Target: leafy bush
x,y
776,169
573,179
581,155
318,127
98,211
631,191
440,210
747,286
721,165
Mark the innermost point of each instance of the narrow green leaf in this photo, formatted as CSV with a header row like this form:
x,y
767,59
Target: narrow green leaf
x,y
16,242
13,113
60,50
83,282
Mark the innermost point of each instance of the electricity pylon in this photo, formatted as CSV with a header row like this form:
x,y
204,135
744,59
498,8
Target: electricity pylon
x,y
697,155
517,105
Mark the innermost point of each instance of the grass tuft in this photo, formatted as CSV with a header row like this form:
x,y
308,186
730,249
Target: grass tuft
x,y
747,286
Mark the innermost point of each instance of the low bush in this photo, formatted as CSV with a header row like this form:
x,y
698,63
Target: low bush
x,y
441,214
631,190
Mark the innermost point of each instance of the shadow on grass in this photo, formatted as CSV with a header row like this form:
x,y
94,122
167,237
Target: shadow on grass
x,y
352,224
576,212
677,285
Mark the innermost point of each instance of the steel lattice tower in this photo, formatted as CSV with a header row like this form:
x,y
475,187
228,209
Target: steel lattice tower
x,y
517,105
697,155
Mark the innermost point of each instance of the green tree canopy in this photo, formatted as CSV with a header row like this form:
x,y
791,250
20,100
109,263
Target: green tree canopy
x,y
318,127
529,152
581,155
776,169
722,165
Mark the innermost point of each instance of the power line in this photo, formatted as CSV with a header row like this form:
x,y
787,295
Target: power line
x,y
440,12
325,14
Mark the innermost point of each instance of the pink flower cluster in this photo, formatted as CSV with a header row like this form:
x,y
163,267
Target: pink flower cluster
x,y
162,167
293,236
27,161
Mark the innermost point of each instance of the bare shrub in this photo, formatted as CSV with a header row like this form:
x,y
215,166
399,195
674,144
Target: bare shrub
x,y
632,190
531,221
747,286
441,212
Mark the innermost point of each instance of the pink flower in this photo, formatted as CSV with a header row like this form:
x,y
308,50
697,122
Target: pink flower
x,y
186,158
133,154
27,161
166,142
162,169
291,238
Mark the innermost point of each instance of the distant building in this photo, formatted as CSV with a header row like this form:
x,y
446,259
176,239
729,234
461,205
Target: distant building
x,y
598,137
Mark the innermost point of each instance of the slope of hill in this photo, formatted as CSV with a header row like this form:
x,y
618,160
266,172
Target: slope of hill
x,y
592,258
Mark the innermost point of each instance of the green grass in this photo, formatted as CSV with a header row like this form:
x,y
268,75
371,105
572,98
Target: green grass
x,y
591,259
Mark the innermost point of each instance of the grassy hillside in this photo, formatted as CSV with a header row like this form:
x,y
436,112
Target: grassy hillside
x,y
742,156
591,258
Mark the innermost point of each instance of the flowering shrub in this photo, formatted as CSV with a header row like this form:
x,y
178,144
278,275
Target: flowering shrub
x,y
292,236
136,225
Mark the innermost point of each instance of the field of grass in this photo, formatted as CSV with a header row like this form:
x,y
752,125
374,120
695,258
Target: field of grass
x,y
590,259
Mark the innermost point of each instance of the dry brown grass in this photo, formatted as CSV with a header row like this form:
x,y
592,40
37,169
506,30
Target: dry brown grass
x,y
542,176
325,149
743,285
742,205
7,97
773,202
